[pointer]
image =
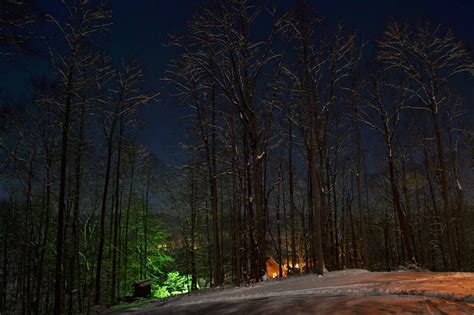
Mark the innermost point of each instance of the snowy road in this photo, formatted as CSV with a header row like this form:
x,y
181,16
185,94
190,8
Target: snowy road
x,y
341,292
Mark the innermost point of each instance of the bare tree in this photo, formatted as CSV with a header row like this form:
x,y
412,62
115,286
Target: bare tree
x,y
429,57
387,106
122,100
222,45
82,23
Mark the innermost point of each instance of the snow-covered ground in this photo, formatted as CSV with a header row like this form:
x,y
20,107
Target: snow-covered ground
x,y
340,292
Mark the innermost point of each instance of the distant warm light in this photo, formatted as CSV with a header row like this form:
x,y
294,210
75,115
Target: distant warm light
x,y
273,269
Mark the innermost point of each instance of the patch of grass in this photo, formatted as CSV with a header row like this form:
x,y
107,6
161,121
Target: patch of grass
x,y
131,306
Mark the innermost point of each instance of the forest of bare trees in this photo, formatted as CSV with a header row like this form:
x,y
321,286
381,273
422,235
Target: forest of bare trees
x,y
304,142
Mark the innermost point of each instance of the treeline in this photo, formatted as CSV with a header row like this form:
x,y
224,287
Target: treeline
x,y
305,143
76,224
308,144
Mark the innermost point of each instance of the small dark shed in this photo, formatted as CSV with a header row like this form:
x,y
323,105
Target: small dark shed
x,y
142,288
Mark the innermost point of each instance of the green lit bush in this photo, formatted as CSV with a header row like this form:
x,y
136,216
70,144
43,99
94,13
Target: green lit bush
x,y
174,284
159,291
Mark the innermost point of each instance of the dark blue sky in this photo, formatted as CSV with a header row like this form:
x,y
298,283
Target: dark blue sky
x,y
141,27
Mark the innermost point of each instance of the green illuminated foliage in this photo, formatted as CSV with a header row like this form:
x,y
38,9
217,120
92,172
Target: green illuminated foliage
x,y
174,284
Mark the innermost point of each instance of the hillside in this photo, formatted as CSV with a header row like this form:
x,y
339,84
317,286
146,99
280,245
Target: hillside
x,y
341,292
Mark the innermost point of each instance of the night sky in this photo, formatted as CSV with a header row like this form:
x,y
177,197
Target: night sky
x,y
141,27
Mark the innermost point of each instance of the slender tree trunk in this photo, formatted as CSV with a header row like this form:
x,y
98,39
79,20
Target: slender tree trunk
x,y
221,228
294,258
336,230
408,209
343,231
5,267
127,219
444,190
26,295
436,230
285,219
280,260
387,241
250,215
100,251
356,119
401,214
236,209
316,198
103,208
259,209
311,233
353,246
62,190
460,215
45,236
115,244
212,173
209,246
192,251
145,228
74,259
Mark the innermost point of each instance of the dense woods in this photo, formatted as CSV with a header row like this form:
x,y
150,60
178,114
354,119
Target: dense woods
x,y
304,142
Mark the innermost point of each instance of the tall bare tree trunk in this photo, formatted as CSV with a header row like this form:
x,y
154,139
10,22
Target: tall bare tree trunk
x,y
62,191
294,258
117,210
401,214
278,218
460,215
356,119
100,251
436,230
145,227
74,259
212,173
445,194
127,220
236,209
316,197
